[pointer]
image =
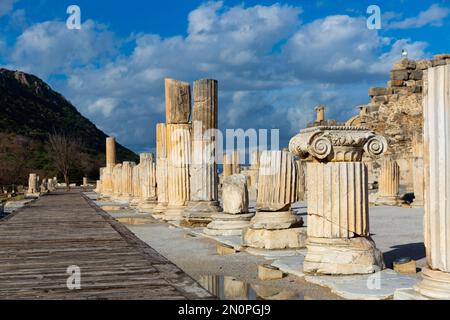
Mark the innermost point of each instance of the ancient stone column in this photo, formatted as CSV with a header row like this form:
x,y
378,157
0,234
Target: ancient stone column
x,y
253,171
418,172
32,185
178,102
85,182
235,216
178,110
117,181
389,184
338,205
161,168
178,157
227,166
275,226
436,105
136,183
236,162
107,176
127,181
301,184
147,183
44,186
111,152
204,181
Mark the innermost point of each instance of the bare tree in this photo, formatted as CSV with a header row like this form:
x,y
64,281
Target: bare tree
x,y
64,151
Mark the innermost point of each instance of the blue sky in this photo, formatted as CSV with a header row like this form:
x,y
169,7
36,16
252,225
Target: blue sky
x,y
274,60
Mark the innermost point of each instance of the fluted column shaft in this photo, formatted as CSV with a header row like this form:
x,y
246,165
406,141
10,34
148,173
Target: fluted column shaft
x,y
178,156
147,177
277,181
389,178
204,179
338,202
437,167
161,164
127,180
117,180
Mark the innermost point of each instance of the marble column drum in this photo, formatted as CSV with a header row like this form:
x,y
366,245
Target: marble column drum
x,y
136,183
339,240
107,176
178,157
435,282
127,181
235,216
147,183
117,181
275,226
161,169
389,185
33,189
204,180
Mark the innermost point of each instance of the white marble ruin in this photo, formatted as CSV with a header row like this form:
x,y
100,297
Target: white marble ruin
x,y
275,227
338,205
204,180
435,283
235,216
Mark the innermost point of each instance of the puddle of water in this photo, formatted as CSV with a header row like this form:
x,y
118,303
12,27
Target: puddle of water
x,y
230,288
135,221
112,208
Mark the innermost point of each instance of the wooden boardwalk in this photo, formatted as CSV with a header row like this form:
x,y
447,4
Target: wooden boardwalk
x,y
40,242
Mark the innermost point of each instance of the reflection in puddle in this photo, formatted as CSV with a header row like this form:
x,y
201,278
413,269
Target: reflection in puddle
x,y
112,208
230,288
135,221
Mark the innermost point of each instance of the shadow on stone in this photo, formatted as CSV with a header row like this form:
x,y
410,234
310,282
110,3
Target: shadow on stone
x,y
415,251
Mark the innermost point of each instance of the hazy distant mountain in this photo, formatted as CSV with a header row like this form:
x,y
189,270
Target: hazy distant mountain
x,y
29,111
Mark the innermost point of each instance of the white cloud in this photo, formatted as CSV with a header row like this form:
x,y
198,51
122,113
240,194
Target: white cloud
x,y
433,16
50,47
6,6
103,105
272,69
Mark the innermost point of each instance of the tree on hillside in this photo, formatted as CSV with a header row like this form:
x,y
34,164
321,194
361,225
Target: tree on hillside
x,y
65,152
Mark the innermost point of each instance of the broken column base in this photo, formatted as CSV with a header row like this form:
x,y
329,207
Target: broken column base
x,y
174,213
199,213
342,256
293,238
225,224
388,201
147,206
435,285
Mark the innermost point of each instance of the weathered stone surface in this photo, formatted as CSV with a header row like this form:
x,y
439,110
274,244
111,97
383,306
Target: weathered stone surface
x,y
338,219
267,273
416,75
178,156
441,56
117,181
127,181
294,238
342,256
379,91
277,181
32,185
111,152
404,64
235,194
228,224
436,105
204,180
389,184
161,168
147,182
399,75
178,102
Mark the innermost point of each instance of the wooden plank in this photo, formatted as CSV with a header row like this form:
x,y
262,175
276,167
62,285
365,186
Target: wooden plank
x,y
38,243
